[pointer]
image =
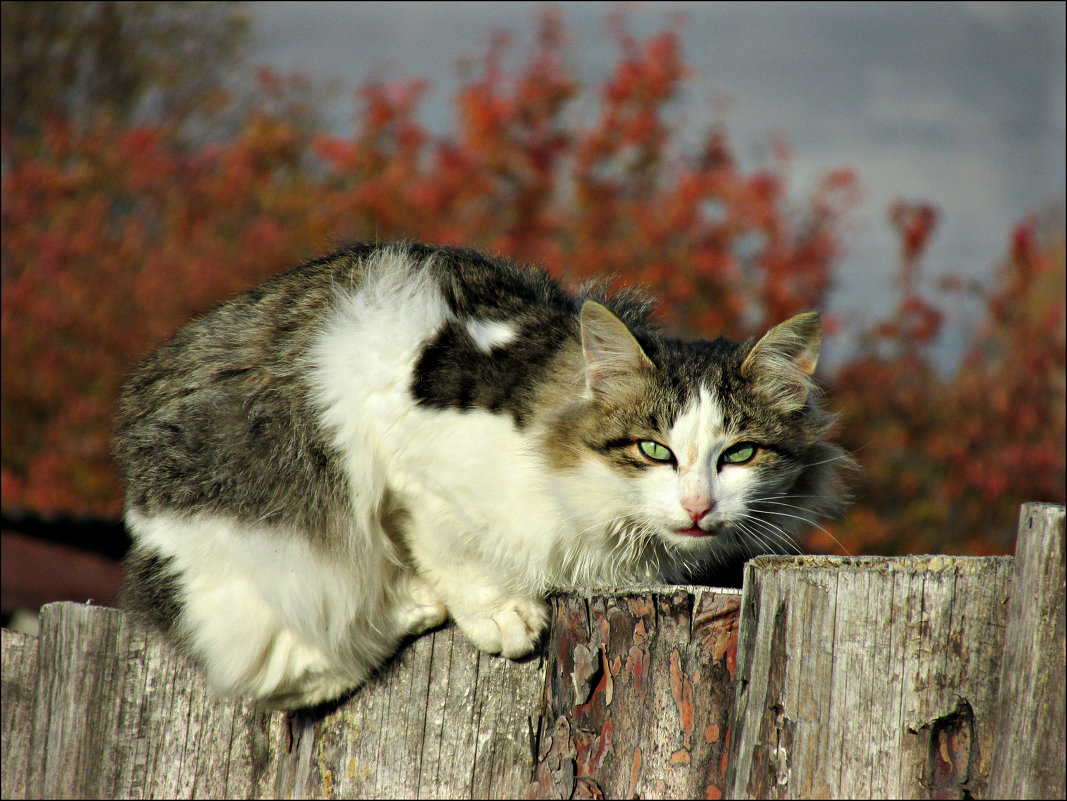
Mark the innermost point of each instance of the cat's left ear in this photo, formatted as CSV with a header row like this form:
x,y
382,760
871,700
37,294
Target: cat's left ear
x,y
613,358
783,361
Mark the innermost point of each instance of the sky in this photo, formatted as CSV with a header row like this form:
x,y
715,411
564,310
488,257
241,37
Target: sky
x,y
958,104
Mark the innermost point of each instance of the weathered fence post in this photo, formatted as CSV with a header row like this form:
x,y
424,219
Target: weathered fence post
x,y
867,677
613,710
20,678
638,694
827,677
444,720
116,714
1028,759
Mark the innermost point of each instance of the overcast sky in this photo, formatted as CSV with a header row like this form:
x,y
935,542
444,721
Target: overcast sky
x,y
959,104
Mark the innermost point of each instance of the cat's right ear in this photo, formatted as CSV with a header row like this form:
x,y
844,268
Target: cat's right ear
x,y
613,357
782,362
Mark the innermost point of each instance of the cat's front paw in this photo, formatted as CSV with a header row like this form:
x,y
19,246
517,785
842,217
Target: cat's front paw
x,y
511,628
424,610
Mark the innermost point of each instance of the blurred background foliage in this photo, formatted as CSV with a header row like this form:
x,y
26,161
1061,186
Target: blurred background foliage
x,y
142,185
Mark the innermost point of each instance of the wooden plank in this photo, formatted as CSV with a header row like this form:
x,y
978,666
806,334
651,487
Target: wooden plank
x,y
117,715
442,721
19,682
867,677
638,694
1028,759
863,677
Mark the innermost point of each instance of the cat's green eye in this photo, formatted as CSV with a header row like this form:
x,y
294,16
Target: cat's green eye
x,y
741,453
655,451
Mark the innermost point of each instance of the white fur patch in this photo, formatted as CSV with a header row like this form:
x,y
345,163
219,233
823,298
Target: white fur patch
x,y
469,479
361,370
270,614
489,334
697,432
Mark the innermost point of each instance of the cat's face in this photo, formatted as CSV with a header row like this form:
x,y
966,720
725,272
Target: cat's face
x,y
712,447
708,479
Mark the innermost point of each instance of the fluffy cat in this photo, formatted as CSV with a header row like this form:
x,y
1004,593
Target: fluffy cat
x,y
393,435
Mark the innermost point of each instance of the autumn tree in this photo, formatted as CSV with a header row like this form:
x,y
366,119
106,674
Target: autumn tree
x,y
116,231
949,459
135,62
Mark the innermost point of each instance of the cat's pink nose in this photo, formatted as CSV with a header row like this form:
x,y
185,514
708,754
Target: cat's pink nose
x,y
698,507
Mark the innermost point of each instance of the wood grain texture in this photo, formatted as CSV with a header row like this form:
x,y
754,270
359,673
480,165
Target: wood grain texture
x,y
1028,760
118,715
868,677
638,694
442,721
827,677
19,688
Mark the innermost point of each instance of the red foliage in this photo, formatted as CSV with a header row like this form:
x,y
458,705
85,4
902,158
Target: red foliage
x,y
948,460
114,237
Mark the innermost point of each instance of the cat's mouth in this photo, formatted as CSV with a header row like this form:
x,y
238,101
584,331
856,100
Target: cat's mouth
x,y
695,531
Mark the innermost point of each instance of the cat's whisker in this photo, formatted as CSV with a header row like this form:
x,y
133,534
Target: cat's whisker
x,y
774,531
749,535
755,542
756,513
791,497
783,503
777,513
812,523
841,456
770,538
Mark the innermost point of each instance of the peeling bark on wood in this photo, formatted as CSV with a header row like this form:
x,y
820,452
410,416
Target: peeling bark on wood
x,y
868,677
1028,760
638,694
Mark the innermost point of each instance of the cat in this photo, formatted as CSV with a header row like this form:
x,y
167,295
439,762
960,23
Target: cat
x,y
396,434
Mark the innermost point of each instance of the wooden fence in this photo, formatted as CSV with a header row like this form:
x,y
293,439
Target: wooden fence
x,y
923,677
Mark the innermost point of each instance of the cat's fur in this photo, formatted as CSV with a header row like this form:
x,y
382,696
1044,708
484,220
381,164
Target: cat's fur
x,y
391,435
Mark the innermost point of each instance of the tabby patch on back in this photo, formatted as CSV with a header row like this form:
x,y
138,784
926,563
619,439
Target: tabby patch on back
x,y
393,435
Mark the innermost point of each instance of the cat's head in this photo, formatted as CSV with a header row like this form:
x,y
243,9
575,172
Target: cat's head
x,y
715,449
